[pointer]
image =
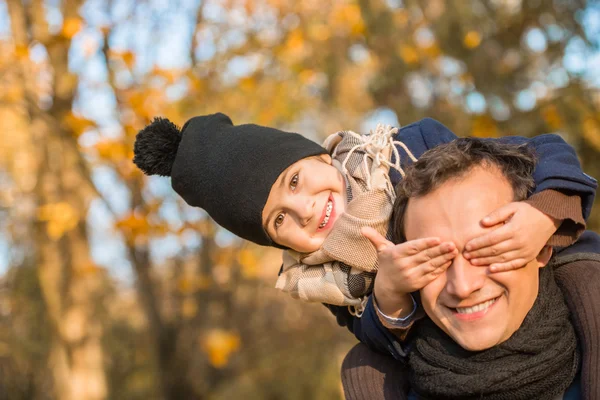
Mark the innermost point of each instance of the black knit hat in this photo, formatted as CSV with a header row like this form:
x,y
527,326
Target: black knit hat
x,y
227,170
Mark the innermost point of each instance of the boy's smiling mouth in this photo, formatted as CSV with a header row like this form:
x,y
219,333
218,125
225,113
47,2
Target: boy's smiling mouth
x,y
327,214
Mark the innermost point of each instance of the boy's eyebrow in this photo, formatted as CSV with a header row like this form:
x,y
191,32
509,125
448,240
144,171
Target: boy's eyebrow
x,y
281,183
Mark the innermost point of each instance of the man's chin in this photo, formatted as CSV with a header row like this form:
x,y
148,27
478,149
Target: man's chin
x,y
476,341
476,345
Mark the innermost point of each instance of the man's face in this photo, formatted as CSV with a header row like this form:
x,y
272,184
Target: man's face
x,y
304,203
476,308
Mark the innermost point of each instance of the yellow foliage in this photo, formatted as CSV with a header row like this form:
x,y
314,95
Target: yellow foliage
x,y
432,51
196,84
348,17
319,32
133,227
409,54
170,75
484,126
189,308
295,41
401,17
130,130
111,150
552,116
591,131
185,285
472,39
71,26
87,269
5,349
147,103
202,283
189,284
219,345
306,76
127,56
249,263
77,124
248,83
12,94
21,51
60,217
128,59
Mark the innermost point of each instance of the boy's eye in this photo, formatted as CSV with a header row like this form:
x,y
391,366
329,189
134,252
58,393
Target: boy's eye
x,y
294,182
279,220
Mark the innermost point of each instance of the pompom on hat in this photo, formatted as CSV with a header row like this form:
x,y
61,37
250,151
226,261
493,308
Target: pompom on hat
x,y
227,170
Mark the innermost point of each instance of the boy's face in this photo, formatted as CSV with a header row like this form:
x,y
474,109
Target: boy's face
x,y
304,203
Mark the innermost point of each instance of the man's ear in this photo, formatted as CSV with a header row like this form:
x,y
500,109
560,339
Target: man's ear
x,y
544,256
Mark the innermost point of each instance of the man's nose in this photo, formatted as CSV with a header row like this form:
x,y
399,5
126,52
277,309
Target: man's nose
x,y
463,278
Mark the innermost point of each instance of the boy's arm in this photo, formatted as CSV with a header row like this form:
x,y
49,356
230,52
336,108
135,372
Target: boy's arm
x,y
563,207
557,170
370,330
399,326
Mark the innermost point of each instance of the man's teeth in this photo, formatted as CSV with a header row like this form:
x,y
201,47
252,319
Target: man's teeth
x,y
475,308
327,214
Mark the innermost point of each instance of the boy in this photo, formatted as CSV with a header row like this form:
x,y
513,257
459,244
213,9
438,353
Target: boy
x,y
280,189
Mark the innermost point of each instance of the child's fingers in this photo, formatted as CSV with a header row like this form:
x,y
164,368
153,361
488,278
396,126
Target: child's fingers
x,y
423,249
488,253
433,275
508,266
380,242
499,259
436,262
486,244
500,215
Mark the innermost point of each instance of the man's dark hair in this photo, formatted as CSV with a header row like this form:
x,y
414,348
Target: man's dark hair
x,y
455,160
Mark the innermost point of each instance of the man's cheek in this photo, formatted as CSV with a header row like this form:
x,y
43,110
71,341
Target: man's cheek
x,y
431,292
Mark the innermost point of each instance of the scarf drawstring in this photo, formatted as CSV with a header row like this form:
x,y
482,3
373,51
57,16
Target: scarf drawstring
x,y
373,145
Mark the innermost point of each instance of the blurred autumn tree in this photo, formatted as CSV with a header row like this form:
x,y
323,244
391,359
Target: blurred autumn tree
x,y
79,222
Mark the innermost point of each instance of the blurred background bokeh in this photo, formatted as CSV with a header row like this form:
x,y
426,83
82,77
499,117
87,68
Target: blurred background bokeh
x,y
111,287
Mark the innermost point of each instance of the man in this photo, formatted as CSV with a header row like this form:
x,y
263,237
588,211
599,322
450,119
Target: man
x,y
502,335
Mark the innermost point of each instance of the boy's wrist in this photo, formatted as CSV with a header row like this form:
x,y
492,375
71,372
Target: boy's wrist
x,y
402,321
393,304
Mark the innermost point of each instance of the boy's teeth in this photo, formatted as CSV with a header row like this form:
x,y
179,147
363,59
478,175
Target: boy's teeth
x,y
476,308
327,214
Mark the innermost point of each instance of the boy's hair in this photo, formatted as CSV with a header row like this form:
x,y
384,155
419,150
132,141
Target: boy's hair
x,y
456,159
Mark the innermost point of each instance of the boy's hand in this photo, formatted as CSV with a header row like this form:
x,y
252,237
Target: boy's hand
x,y
525,232
409,266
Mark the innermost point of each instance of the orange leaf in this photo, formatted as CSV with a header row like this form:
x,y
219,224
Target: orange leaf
x,y
472,39
71,26
409,54
552,116
60,217
77,124
591,132
484,126
220,345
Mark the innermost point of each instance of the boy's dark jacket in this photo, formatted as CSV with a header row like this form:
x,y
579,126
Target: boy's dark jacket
x,y
558,168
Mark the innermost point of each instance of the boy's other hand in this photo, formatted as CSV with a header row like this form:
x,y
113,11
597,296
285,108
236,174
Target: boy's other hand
x,y
525,232
409,266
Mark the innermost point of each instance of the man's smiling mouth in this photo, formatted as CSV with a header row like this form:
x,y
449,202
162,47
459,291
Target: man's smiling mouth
x,y
476,308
